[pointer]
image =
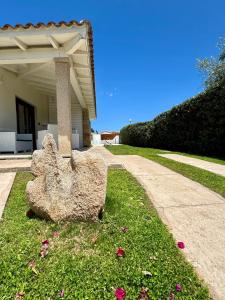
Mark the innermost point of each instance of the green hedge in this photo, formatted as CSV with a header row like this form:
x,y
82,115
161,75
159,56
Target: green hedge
x,y
197,126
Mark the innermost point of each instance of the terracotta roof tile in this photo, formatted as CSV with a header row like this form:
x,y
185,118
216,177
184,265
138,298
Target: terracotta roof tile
x,y
44,25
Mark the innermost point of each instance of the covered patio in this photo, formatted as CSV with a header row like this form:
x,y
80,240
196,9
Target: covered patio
x,y
47,84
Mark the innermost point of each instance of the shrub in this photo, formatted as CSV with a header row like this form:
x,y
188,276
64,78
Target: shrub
x,y
197,125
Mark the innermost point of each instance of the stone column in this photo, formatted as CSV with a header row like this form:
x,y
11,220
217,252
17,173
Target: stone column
x,y
63,96
86,129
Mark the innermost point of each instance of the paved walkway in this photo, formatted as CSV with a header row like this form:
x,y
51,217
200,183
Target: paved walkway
x,y
6,181
14,165
15,156
202,164
194,214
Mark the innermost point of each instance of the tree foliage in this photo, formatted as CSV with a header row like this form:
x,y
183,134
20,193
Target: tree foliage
x,y
213,68
197,125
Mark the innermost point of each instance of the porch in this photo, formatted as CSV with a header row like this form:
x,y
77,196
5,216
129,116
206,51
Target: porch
x,y
46,85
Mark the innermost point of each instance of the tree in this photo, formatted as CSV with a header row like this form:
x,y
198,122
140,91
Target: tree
x,y
213,68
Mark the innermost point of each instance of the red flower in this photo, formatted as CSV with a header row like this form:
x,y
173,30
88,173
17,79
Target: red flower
x,y
172,297
178,287
120,293
124,229
55,234
120,252
45,244
30,214
181,245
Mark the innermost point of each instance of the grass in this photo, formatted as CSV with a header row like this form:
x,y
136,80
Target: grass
x,y
212,181
82,259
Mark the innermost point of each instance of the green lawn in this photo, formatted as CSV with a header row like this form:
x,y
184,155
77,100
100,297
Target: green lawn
x,y
213,181
82,260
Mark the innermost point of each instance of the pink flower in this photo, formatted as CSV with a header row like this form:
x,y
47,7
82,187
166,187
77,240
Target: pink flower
x,y
124,229
43,252
120,293
178,287
61,294
120,252
55,234
172,297
45,244
181,245
30,214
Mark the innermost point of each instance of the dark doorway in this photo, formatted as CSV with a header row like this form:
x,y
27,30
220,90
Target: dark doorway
x,y
25,119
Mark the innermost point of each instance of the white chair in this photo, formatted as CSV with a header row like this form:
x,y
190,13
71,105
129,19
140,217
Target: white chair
x,y
13,142
53,129
24,142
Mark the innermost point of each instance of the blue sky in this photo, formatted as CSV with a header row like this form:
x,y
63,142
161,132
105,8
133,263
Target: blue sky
x,y
145,50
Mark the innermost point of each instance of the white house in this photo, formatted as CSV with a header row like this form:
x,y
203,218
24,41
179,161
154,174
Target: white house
x,y
47,84
106,138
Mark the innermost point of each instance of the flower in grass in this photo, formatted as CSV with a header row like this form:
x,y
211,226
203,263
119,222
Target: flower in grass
x,y
120,252
44,248
19,295
124,229
181,245
32,265
43,253
61,293
143,295
55,234
30,214
120,293
45,244
178,287
171,297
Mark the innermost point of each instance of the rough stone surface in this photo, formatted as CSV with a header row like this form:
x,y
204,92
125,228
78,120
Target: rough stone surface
x,y
67,189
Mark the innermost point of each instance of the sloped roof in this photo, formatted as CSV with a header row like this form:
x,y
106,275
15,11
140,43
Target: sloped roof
x,y
61,24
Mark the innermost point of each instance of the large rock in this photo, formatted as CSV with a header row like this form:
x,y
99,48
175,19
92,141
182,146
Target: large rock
x,y
67,189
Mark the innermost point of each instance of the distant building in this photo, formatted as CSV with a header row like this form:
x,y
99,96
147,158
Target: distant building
x,y
106,138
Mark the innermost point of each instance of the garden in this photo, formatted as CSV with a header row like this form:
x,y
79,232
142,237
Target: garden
x,y
128,254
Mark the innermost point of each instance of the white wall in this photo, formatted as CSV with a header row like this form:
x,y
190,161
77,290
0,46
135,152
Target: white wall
x,y
96,140
12,87
45,106
76,115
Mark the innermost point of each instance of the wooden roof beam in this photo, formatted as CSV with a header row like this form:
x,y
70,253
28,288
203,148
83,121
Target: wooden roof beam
x,y
53,42
20,44
74,44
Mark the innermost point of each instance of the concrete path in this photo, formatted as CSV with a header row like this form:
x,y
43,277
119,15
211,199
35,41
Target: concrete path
x,y
193,213
15,156
14,165
6,181
202,164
